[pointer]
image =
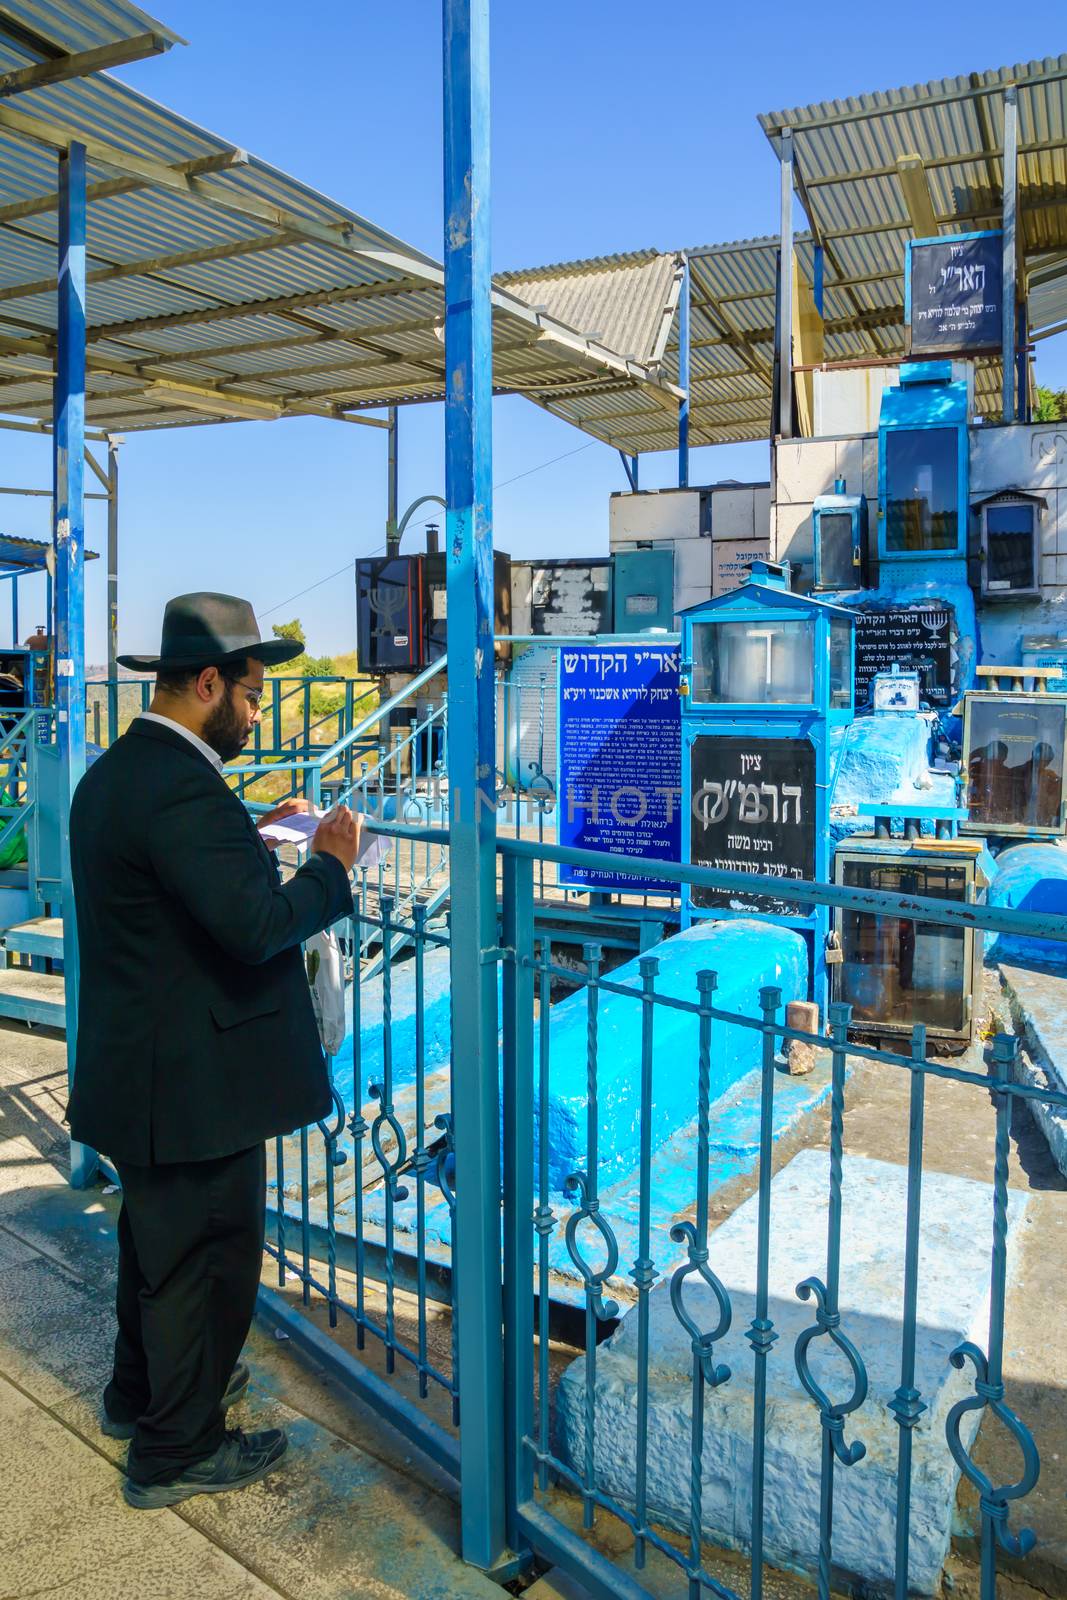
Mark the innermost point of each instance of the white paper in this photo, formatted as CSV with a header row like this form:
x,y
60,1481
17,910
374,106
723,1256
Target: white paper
x,y
300,829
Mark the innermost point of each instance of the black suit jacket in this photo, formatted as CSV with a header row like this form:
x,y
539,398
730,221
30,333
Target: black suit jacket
x,y
196,1034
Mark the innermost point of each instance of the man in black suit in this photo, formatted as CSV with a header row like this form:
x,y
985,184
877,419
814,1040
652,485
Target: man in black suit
x,y
196,1039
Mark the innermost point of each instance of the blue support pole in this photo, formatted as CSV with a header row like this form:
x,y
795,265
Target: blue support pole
x,y
471,773
683,378
15,612
68,469
819,286
630,465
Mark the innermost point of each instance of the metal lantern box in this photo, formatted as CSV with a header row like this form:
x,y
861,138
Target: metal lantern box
x,y
1013,763
766,676
839,523
1009,535
894,972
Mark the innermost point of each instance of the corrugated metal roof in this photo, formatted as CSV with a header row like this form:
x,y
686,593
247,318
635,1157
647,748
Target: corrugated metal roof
x,y
846,153
48,27
220,276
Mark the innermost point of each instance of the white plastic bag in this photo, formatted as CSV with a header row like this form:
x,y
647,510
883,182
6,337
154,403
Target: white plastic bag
x,y
326,975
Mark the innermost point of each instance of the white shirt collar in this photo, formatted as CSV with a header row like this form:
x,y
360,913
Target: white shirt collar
x,y
186,733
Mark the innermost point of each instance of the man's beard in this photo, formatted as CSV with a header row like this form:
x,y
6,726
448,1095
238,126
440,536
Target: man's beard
x,y
225,730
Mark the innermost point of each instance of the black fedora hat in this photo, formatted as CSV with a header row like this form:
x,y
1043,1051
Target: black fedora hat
x,y
204,630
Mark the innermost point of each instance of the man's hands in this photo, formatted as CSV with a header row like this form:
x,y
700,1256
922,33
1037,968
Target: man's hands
x,y
287,808
338,835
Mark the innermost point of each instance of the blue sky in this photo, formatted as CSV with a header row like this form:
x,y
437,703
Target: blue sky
x,y
616,125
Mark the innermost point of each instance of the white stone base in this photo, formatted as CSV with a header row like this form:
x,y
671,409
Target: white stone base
x,y
953,1306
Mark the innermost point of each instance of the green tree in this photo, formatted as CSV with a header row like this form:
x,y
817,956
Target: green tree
x,y
290,630
1051,405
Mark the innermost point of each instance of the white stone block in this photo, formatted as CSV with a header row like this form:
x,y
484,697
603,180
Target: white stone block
x,y
732,513
794,535
953,1306
1022,456
805,468
761,510
870,474
658,515
849,464
692,566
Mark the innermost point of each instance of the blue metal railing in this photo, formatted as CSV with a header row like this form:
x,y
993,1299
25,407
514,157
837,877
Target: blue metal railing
x,y
377,1205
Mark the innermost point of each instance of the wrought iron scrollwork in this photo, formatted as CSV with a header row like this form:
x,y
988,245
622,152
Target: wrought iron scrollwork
x,y
594,1280
994,1501
386,1118
703,1343
336,1156
833,1413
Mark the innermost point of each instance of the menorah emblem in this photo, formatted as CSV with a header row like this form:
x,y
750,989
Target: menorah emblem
x,y
386,604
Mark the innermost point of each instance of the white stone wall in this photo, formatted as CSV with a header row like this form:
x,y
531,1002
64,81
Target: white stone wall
x,y
693,522
805,468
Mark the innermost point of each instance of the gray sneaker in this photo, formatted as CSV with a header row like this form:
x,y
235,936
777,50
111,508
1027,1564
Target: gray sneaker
x,y
240,1459
235,1391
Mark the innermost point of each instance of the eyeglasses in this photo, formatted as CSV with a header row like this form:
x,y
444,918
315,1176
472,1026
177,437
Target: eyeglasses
x,y
253,694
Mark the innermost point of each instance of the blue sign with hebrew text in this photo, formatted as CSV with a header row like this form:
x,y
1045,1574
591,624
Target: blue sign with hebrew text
x,y
620,759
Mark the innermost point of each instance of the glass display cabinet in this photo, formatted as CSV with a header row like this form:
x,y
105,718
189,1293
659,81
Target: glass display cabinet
x,y
1013,763
894,972
923,456
1009,535
767,678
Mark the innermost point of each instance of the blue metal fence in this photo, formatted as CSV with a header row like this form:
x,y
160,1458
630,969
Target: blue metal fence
x,y
376,1247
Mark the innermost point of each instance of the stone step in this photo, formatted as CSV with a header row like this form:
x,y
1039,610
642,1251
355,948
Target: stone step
x,y
27,996
41,936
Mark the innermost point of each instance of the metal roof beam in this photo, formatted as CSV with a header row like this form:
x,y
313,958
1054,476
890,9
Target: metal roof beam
x,y
253,308
337,236
221,161
61,68
915,189
152,265
961,158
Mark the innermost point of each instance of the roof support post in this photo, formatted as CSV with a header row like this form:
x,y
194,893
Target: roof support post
x,y
683,376
1011,184
112,590
15,611
392,537
472,775
630,465
68,473
785,291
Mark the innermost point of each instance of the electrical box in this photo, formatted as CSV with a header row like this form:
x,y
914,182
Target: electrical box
x,y
644,590
839,522
1009,537
1013,763
402,610
895,972
435,603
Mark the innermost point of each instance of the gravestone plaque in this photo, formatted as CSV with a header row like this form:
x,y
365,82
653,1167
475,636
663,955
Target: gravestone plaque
x,y
918,639
620,743
752,810
956,294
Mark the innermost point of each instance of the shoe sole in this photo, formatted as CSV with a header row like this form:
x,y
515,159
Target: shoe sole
x,y
125,1430
156,1496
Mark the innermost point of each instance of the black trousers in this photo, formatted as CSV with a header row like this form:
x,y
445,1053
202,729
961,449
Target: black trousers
x,y
190,1253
